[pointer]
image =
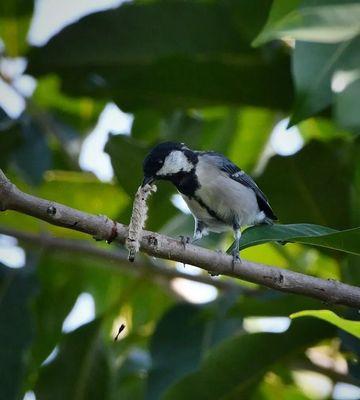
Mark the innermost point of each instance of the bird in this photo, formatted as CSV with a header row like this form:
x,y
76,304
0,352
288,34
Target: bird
x,y
219,194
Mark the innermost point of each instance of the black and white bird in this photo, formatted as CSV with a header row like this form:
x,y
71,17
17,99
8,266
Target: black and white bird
x,y
219,194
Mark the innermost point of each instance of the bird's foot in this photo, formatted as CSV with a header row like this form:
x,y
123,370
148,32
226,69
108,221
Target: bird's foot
x,y
235,259
185,240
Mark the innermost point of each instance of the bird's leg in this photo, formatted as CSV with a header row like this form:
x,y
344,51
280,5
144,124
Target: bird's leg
x,y
185,240
200,228
236,249
199,231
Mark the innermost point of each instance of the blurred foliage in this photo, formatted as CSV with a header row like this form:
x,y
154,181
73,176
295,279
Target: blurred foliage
x,y
217,75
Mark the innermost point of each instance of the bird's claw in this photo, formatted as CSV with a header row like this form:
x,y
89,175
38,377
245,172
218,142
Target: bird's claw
x,y
235,259
185,240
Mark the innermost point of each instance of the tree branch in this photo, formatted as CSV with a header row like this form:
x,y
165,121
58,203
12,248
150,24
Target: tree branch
x,y
161,246
115,256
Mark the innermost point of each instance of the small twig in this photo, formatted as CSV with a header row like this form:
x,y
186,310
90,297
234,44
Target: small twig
x,y
87,249
121,328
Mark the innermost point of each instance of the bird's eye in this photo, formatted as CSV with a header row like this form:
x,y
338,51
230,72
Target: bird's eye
x,y
159,161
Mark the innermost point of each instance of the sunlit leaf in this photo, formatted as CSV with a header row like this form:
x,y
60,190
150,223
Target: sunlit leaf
x,y
327,23
352,327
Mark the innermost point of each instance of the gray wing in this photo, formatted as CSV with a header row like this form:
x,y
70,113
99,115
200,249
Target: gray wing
x,y
240,176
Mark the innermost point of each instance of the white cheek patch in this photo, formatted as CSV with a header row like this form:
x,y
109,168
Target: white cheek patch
x,y
175,162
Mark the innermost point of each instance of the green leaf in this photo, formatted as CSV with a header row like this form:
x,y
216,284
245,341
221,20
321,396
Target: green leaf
x,y
17,290
33,157
314,65
81,113
58,279
130,378
327,23
271,389
346,112
182,337
144,55
347,241
81,369
352,327
234,365
15,17
78,190
127,155
311,185
10,140
272,304
251,120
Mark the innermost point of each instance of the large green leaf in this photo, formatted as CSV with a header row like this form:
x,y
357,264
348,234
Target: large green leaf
x,y
81,369
33,157
347,241
145,54
312,186
352,327
234,365
58,279
182,337
314,65
17,290
327,23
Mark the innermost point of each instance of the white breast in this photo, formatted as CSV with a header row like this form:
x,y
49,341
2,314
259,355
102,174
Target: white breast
x,y
228,198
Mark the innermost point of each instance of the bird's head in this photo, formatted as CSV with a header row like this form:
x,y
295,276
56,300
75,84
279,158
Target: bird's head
x,y
168,160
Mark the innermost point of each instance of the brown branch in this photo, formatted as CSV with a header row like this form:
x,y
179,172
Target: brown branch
x,y
154,244
115,256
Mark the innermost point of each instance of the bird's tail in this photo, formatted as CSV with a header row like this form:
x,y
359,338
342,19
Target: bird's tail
x,y
267,221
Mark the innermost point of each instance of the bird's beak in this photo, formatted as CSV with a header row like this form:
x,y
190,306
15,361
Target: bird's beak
x,y
148,180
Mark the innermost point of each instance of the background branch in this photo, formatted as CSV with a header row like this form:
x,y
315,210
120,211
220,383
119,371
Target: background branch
x,y
116,257
154,244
